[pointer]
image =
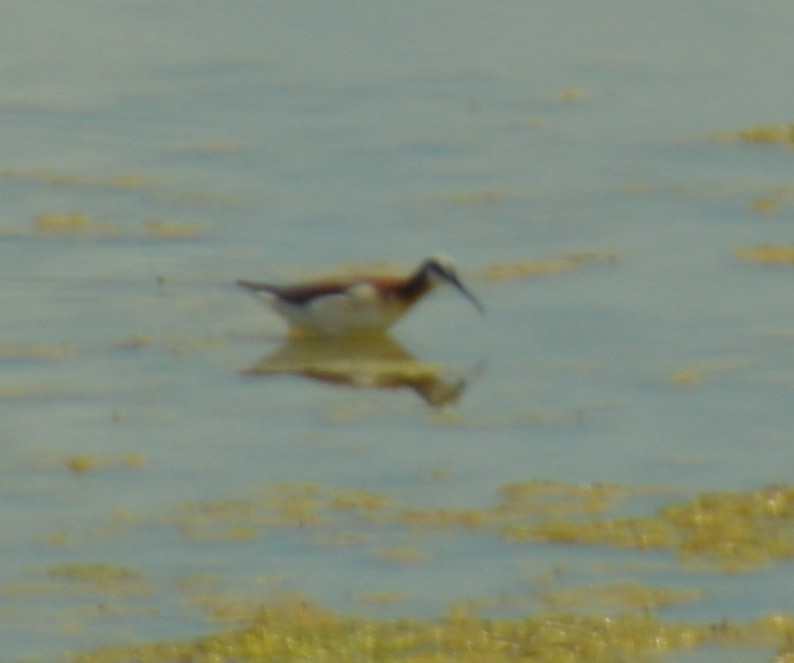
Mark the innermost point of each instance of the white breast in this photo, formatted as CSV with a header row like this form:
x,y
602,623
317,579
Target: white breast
x,y
359,308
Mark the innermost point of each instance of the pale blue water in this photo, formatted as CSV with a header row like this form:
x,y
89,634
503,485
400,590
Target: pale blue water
x,y
300,136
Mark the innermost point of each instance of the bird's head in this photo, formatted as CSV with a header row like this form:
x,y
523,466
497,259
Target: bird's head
x,y
440,268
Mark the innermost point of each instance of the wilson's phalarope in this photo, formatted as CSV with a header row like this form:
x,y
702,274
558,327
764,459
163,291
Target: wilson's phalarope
x,y
339,307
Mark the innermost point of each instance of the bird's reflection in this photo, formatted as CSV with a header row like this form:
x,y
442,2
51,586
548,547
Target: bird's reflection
x,y
372,360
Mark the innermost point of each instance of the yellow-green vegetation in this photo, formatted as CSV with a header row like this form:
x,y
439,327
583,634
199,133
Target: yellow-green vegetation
x,y
722,531
102,575
380,598
570,94
50,225
698,372
622,596
301,631
773,133
126,181
157,188
766,205
284,505
82,463
84,578
778,134
159,229
403,555
734,531
770,254
70,222
522,269
543,499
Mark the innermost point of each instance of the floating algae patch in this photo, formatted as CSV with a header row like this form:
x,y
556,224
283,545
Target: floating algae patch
x,y
381,597
591,622
768,254
49,225
438,520
736,531
84,463
523,269
305,503
555,498
71,223
224,520
569,94
126,182
626,596
301,631
80,578
357,499
296,505
157,188
775,133
698,372
766,205
159,229
100,575
401,555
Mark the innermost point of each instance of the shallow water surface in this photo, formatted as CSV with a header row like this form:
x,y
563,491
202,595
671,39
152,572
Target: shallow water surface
x,y
162,457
